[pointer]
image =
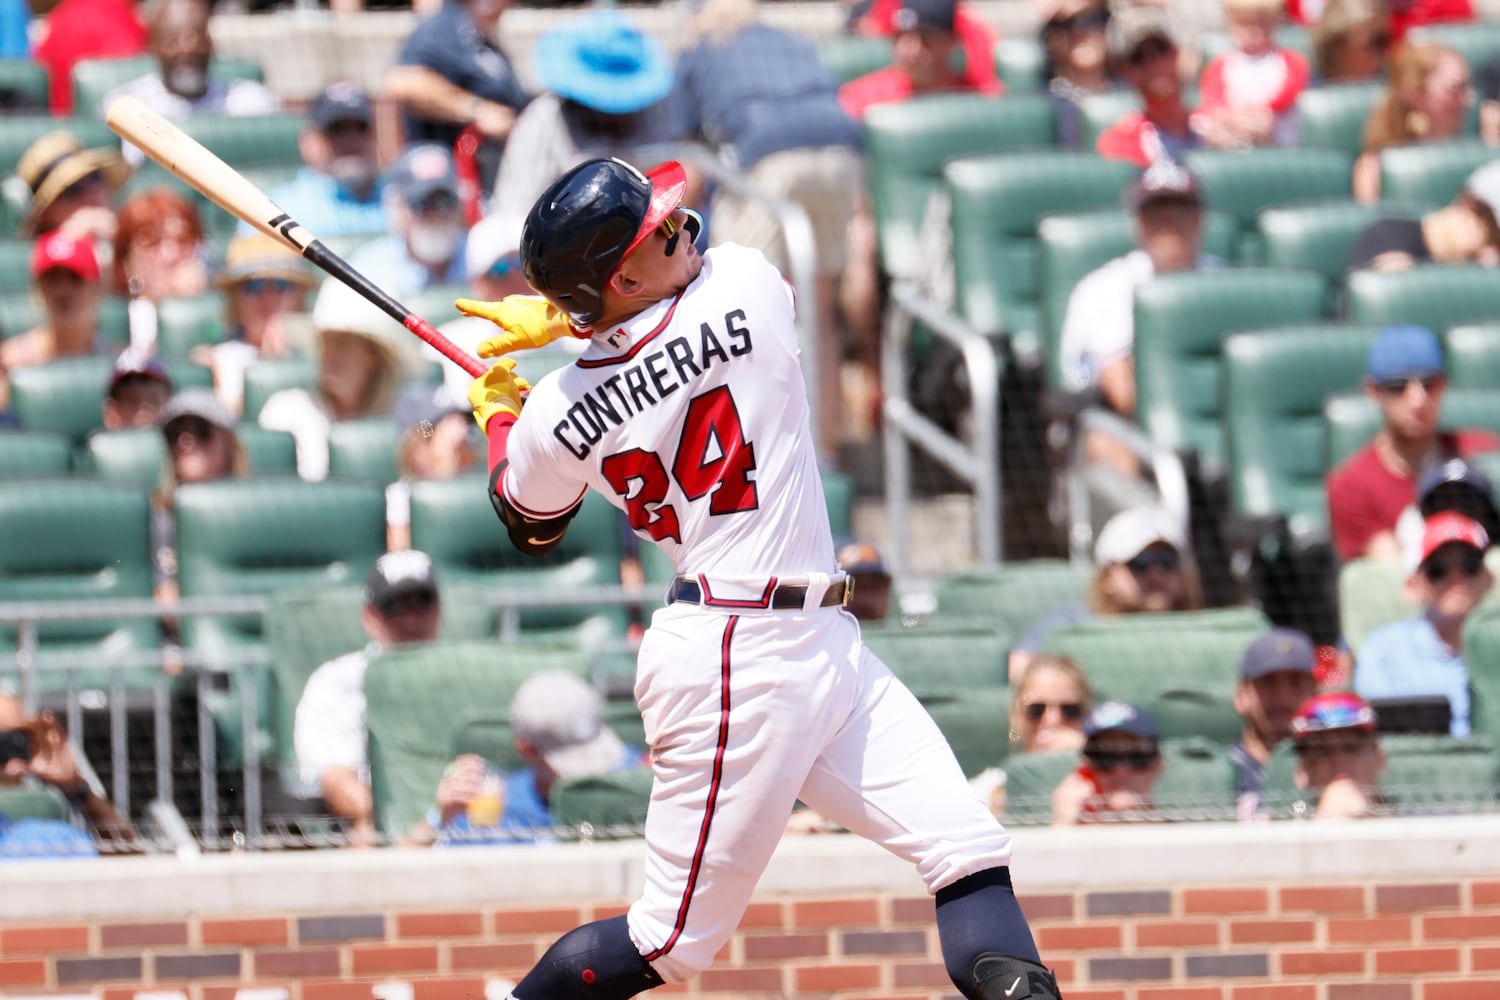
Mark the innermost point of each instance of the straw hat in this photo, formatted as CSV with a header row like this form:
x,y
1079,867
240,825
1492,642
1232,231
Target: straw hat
x,y
56,162
253,255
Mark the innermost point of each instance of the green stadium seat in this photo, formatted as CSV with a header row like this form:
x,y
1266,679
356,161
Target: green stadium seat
x,y
849,57
1181,321
21,312
1429,175
364,449
44,802
22,130
249,140
306,628
1020,62
942,658
185,323
1371,594
908,143
62,396
492,737
998,199
1030,779
1243,182
72,542
1473,351
1435,296
1070,246
1477,41
33,454
1153,660
1482,657
1425,775
133,457
603,805
1011,595
268,452
26,77
453,521
1097,112
1353,418
93,78
1318,237
1333,116
418,697
1275,382
15,268
269,376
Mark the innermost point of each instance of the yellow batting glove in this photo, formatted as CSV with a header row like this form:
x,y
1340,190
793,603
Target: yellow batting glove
x,y
528,321
499,390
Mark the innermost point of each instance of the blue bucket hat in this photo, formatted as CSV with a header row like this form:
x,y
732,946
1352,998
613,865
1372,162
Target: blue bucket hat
x,y
604,62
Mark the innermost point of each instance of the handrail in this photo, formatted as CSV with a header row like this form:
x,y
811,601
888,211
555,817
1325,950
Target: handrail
x,y
976,462
1166,466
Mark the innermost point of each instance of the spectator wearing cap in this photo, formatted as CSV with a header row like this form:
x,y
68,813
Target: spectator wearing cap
x,y
1075,39
1144,48
263,281
1121,764
137,390
558,721
762,99
607,86
181,86
450,76
203,446
881,17
401,606
1462,232
1424,655
1454,485
1406,375
1276,678
921,62
363,359
1352,41
338,191
872,581
1249,93
1339,758
71,188
425,245
438,441
1144,565
1427,99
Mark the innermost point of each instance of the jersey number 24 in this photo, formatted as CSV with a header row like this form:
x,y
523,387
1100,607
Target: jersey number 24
x,y
699,467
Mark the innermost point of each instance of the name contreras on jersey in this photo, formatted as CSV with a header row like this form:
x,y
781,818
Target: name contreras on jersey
x,y
648,380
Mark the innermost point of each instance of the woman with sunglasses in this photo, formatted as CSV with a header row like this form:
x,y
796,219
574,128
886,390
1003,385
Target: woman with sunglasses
x,y
1424,655
1121,764
1142,561
1427,100
262,281
1077,59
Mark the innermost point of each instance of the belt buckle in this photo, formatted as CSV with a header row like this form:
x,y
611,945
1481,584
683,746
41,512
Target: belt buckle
x,y
848,591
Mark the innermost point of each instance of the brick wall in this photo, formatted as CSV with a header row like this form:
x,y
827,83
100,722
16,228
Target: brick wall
x,y
1387,936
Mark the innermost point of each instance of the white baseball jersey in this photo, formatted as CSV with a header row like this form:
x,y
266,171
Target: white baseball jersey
x,y
656,416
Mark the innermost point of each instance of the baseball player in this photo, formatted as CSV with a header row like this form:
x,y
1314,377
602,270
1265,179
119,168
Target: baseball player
x,y
687,411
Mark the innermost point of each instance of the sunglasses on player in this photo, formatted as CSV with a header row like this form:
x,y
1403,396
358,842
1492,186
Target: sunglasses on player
x,y
1108,760
672,228
1465,560
1070,710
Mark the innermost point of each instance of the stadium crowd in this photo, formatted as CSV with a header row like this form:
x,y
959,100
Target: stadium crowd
x,y
1308,632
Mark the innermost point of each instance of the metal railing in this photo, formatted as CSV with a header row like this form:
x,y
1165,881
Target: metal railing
x,y
1164,463
975,461
171,662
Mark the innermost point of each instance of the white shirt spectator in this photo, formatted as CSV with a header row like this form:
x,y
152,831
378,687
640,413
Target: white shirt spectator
x,y
309,421
1099,326
329,730
235,98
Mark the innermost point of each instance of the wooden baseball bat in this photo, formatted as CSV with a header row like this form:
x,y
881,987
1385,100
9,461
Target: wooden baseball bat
x,y
232,191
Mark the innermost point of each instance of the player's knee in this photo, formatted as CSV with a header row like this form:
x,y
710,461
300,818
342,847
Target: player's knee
x,y
994,976
597,961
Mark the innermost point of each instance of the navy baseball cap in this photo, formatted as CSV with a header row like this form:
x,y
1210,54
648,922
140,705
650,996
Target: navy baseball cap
x,y
397,574
927,15
341,101
1121,717
1455,470
1278,649
1406,352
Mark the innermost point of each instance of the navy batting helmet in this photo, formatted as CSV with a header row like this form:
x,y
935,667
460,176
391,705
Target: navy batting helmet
x,y
587,222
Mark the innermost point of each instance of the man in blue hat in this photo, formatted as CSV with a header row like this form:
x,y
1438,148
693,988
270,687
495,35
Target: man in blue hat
x,y
338,191
607,85
1276,677
426,244
1406,376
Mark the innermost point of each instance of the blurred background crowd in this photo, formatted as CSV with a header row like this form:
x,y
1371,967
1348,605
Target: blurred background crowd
x,y
1153,342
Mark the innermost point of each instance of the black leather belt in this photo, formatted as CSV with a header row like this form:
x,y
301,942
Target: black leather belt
x,y
784,598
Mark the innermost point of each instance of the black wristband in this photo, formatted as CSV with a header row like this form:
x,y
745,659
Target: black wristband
x,y
79,794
